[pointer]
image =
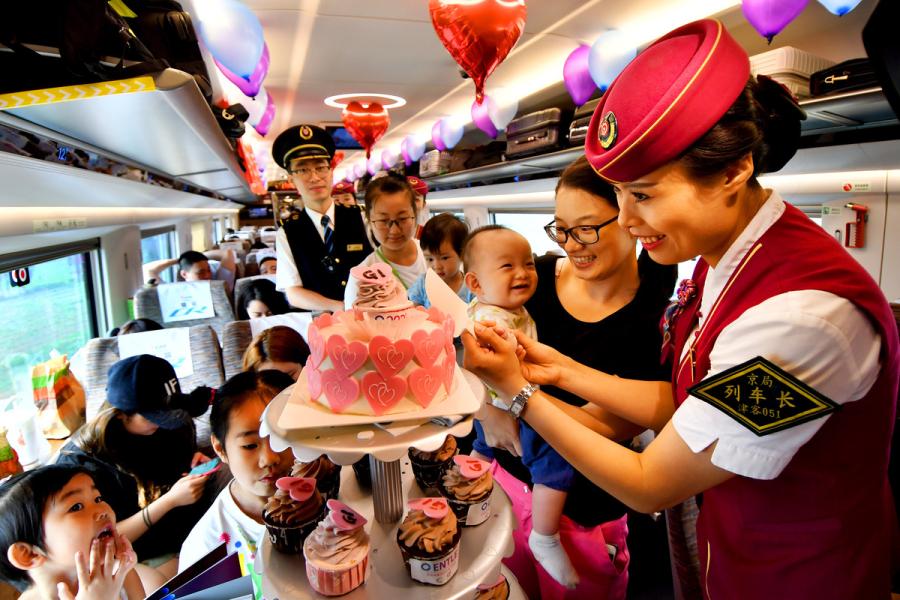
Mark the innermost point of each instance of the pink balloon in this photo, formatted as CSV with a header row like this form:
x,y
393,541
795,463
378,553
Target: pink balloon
x,y
482,119
248,85
404,151
262,128
436,138
577,75
769,17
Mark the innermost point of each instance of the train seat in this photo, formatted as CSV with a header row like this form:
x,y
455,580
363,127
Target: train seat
x,y
238,334
146,306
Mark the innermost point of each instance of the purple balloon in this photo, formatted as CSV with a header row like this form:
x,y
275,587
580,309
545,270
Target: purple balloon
x,y
482,120
436,138
577,75
262,128
404,150
249,86
769,17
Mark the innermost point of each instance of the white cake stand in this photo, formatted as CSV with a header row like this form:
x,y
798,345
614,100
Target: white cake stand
x,y
386,446
481,549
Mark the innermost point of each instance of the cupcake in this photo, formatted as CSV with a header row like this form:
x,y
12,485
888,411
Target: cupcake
x,y
292,513
429,541
337,552
429,466
499,590
467,485
326,473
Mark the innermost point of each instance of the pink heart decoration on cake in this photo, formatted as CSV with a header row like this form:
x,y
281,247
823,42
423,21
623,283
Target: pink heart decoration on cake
x,y
389,357
299,488
434,508
316,346
345,517
435,315
424,384
383,393
470,467
449,368
324,320
346,358
340,390
313,380
428,346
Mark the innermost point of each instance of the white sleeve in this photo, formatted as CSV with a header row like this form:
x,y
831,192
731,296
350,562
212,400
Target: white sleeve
x,y
287,274
819,338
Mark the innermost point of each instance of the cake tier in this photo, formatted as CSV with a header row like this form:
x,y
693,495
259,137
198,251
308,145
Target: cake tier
x,y
380,363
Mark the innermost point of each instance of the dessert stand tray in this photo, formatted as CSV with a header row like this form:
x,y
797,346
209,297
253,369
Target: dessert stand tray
x,y
481,549
312,415
348,443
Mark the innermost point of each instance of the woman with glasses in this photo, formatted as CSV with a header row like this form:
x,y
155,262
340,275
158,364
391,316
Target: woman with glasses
x,y
391,212
600,305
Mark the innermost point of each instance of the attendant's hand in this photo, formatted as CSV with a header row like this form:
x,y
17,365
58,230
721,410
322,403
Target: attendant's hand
x,y
103,578
501,429
199,459
541,364
492,357
186,490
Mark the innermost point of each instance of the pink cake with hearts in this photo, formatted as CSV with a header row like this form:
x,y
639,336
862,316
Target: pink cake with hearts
x,y
384,357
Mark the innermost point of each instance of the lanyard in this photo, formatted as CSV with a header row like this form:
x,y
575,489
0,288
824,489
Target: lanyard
x,y
393,270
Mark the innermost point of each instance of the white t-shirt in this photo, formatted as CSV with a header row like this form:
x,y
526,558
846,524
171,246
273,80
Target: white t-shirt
x,y
287,274
819,338
406,275
223,522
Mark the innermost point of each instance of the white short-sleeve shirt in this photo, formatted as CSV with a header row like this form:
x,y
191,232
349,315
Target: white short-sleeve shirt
x,y
288,275
820,338
407,275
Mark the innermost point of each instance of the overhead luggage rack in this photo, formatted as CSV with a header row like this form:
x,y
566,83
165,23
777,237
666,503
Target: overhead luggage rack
x,y
160,121
543,163
857,109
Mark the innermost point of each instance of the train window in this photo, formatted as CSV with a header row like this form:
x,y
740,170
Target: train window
x,y
55,304
531,225
159,245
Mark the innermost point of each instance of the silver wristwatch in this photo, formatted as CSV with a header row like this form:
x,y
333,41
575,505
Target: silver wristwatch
x,y
517,406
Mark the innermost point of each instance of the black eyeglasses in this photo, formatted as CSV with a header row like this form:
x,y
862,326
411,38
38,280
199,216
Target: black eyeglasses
x,y
583,234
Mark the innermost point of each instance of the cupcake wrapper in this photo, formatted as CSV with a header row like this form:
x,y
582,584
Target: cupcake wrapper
x,y
428,473
469,513
289,540
337,582
435,569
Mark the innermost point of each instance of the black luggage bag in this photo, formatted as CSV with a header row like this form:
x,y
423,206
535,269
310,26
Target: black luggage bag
x,y
580,121
534,133
843,77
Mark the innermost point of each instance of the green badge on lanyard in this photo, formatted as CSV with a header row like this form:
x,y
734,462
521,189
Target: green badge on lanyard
x,y
763,397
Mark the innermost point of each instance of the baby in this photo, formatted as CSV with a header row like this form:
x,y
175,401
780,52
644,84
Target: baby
x,y
500,272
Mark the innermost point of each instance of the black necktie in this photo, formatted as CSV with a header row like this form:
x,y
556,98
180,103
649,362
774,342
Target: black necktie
x,y
329,234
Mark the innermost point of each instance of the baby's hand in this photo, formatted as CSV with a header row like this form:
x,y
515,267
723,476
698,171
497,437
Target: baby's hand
x,y
103,578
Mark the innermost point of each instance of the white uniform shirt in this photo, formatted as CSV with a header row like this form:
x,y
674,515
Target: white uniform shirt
x,y
287,274
406,275
222,522
820,338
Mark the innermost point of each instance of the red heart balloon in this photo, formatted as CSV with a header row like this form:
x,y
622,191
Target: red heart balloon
x,y
478,34
366,123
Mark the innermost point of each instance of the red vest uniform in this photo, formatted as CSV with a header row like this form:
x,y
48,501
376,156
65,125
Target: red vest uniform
x,y
823,528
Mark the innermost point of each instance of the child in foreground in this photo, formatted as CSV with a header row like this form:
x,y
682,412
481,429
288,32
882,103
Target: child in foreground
x,y
60,540
500,272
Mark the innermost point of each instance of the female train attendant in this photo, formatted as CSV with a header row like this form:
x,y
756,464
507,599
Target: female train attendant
x,y
785,351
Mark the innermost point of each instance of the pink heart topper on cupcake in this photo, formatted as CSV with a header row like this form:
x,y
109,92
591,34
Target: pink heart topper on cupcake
x,y
374,273
434,508
345,517
470,467
300,488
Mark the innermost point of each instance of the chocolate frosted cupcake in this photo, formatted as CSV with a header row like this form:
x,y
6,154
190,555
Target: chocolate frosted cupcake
x,y
326,473
429,541
499,590
467,485
292,513
429,466
337,552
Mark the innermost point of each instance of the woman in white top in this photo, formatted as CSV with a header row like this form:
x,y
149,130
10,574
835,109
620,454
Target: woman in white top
x,y
391,212
235,516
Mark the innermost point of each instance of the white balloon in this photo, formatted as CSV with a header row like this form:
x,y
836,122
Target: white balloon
x,y
340,174
255,106
451,131
502,107
389,158
359,169
415,147
610,53
232,33
374,165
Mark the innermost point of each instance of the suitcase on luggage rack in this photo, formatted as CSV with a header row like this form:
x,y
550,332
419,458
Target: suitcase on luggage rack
x,y
843,77
434,163
580,121
534,133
